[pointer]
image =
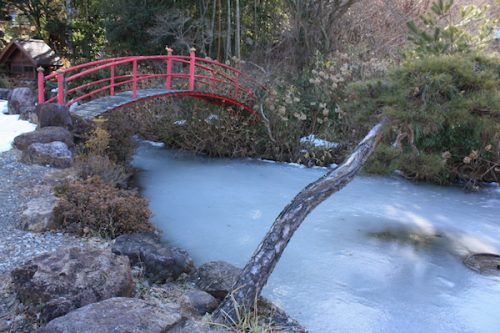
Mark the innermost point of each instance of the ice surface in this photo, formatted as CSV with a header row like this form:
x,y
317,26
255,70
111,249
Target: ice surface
x,y
382,255
10,127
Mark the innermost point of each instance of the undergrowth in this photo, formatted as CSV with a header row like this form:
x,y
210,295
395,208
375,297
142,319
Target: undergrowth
x,y
93,207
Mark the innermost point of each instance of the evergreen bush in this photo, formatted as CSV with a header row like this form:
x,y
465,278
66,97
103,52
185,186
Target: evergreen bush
x,y
445,114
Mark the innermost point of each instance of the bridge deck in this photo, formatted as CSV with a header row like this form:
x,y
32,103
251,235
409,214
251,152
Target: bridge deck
x,y
101,105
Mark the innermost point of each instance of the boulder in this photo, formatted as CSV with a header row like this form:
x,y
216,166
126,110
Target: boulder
x,y
191,301
22,102
39,216
193,326
53,114
202,302
81,127
117,314
216,278
4,93
44,135
55,154
159,261
53,284
274,316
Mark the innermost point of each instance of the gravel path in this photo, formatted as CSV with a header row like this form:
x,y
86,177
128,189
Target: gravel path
x,y
19,183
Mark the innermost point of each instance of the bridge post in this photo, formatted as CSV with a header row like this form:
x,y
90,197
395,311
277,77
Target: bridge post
x,y
237,85
112,81
60,87
168,83
192,67
134,78
41,85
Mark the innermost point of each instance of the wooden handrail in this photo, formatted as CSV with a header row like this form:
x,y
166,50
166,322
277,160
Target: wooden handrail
x,y
216,77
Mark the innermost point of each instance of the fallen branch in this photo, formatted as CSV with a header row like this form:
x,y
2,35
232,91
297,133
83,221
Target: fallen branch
x,y
258,269
266,122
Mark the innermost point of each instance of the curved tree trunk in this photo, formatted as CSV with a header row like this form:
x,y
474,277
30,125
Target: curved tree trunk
x,y
258,269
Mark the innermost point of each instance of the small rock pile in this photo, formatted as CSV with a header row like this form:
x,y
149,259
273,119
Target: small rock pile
x,y
98,290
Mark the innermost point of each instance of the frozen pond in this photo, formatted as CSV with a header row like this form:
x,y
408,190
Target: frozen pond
x,y
382,255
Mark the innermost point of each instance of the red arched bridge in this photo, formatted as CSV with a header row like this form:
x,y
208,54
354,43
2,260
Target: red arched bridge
x,y
103,85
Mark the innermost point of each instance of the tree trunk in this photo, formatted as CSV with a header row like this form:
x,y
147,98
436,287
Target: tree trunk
x,y
212,29
69,21
258,269
228,31
237,35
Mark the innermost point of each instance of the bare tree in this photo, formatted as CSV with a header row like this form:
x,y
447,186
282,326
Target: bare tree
x,y
228,31
258,269
237,35
186,31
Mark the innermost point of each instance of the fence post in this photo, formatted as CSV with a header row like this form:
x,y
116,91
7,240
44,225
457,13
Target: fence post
x,y
41,85
192,68
168,84
60,87
112,81
134,78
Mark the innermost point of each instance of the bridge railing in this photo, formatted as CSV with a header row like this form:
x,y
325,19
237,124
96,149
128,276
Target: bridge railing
x,y
169,72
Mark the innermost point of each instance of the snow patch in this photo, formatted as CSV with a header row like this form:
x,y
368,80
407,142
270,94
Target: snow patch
x,y
154,143
180,122
212,118
73,107
10,127
312,140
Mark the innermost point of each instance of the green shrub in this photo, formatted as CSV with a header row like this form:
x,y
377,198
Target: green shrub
x,y
444,112
441,32
94,207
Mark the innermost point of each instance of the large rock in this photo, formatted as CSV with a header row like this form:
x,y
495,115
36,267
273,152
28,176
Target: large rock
x,y
39,214
58,282
216,277
55,154
117,315
272,315
52,114
44,135
159,261
22,102
202,302
191,301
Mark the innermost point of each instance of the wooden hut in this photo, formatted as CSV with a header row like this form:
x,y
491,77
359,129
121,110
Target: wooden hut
x,y
21,58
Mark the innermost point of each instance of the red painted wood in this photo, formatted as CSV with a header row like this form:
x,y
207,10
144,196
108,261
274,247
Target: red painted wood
x,y
134,78
41,86
168,83
112,81
213,80
60,88
192,68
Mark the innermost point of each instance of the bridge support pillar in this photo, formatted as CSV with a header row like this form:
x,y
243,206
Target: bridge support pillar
x,y
41,85
168,83
134,79
192,67
60,87
112,81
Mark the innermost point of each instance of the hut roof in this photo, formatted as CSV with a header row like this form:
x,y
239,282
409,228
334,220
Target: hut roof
x,y
36,49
